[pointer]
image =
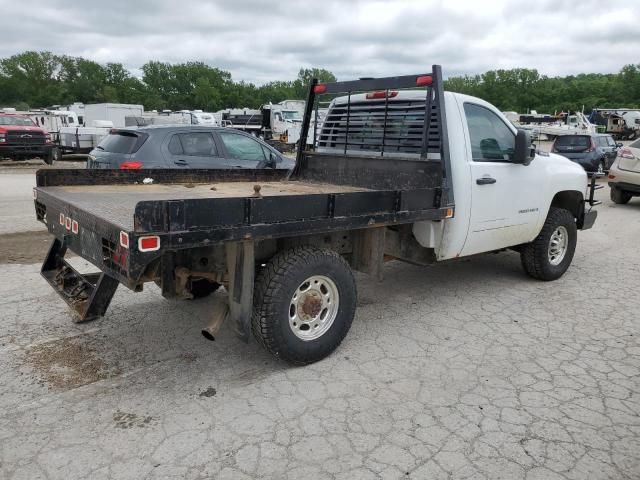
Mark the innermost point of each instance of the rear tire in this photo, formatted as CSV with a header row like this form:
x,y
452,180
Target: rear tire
x,y
550,254
304,304
619,196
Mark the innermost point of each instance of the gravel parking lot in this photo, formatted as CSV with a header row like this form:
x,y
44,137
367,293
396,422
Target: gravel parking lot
x,y
465,370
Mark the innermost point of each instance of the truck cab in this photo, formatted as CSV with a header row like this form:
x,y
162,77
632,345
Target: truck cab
x,y
500,202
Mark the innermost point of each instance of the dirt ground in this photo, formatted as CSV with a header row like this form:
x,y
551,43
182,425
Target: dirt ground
x,y
24,247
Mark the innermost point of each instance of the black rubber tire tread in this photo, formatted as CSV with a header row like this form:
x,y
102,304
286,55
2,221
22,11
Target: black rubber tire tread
x,y
49,158
275,284
534,255
202,287
619,196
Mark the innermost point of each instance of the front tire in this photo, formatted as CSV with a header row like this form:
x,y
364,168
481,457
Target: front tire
x,y
619,197
304,304
52,156
550,254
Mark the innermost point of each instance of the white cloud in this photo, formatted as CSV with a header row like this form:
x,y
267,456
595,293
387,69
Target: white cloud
x,y
258,41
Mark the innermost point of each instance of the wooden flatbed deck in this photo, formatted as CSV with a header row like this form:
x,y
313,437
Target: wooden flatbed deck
x,y
116,203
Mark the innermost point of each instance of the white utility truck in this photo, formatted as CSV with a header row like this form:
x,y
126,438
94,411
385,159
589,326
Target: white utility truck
x,y
401,170
98,120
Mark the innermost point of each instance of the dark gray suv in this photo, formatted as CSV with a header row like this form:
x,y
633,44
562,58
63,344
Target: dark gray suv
x,y
594,152
184,146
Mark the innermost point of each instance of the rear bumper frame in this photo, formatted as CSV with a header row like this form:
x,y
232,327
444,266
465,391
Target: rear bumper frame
x,y
88,295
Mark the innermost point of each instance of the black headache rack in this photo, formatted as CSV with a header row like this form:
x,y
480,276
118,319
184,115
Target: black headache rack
x,y
372,134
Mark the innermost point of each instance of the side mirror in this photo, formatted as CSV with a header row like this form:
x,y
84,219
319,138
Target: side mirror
x,y
619,145
524,152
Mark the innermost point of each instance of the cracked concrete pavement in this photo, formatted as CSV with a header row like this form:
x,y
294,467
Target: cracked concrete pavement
x,y
466,370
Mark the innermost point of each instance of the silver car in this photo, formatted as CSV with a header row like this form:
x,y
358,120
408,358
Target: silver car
x,y
184,146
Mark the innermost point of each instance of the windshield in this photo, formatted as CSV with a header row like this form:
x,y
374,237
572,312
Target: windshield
x,y
17,121
291,115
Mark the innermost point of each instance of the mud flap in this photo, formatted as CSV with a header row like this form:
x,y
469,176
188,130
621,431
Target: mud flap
x,y
88,295
241,268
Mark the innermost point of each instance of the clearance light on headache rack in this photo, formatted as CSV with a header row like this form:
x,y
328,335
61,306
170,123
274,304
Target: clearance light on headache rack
x,y
74,227
319,88
67,223
381,94
124,239
149,244
424,80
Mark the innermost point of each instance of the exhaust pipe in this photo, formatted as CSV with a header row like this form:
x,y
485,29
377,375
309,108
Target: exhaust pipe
x,y
220,312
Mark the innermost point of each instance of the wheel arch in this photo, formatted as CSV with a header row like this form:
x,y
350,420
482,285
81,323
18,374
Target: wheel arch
x,y
571,200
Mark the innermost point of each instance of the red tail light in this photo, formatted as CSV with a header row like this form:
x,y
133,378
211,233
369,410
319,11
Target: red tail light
x,y
381,94
319,88
424,80
626,153
149,244
133,165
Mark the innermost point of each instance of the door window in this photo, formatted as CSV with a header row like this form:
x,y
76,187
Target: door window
x,y
241,147
196,144
491,139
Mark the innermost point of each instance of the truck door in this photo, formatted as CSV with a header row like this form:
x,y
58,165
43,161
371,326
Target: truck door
x,y
505,197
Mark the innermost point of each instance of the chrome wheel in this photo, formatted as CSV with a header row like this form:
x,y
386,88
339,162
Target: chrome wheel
x,y
601,168
313,307
558,245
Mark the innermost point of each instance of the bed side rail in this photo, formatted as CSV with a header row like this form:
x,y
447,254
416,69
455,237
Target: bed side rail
x,y
77,177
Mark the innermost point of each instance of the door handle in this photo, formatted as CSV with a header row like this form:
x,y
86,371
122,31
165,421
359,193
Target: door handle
x,y
485,181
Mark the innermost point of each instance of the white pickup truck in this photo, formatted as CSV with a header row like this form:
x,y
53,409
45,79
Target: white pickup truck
x,y
401,170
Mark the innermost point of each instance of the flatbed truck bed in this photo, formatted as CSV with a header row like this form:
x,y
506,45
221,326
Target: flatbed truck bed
x,y
117,202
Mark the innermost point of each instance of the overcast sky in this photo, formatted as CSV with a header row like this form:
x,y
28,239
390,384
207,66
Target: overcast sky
x,y
259,41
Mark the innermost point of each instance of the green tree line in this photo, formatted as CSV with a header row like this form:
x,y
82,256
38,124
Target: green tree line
x,y
521,89
40,79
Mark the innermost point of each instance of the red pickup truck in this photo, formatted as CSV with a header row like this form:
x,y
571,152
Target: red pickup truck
x,y
21,138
